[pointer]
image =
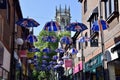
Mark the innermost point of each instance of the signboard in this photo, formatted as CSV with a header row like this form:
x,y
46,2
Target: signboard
x,y
68,63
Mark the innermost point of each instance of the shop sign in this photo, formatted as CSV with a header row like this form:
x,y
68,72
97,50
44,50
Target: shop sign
x,y
68,63
93,63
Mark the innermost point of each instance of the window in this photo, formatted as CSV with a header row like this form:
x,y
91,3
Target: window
x,y
85,6
94,41
111,7
86,42
1,27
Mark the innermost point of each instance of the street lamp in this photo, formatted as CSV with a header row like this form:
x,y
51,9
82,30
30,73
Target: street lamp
x,y
19,42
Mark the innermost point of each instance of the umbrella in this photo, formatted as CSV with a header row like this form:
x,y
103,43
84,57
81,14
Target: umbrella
x,y
99,25
75,26
31,38
55,57
73,51
83,39
27,22
49,38
46,50
59,50
45,57
34,50
66,40
52,26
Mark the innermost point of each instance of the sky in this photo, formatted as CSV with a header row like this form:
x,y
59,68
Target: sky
x,y
44,10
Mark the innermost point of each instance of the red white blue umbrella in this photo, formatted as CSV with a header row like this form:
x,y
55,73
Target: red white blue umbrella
x,y
60,50
49,38
66,40
46,50
34,50
73,51
76,26
27,22
52,26
31,38
99,25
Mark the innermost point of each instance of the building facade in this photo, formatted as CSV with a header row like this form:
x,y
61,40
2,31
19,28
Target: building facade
x,y
101,59
10,12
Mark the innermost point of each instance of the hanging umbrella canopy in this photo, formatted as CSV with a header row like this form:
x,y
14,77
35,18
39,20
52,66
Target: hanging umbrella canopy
x,y
52,26
45,57
73,51
83,39
31,38
76,26
34,50
60,50
49,38
99,25
27,22
46,50
66,40
55,57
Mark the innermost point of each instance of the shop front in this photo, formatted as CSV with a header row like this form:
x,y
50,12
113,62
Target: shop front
x,y
77,71
94,69
4,62
112,55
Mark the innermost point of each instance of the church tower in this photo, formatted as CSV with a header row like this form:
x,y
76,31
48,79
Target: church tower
x,y
63,16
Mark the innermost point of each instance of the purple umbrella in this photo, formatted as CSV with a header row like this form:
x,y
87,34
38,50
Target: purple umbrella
x,y
31,38
27,22
66,40
52,26
49,38
75,26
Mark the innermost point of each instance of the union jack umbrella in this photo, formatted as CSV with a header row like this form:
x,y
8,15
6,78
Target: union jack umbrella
x,y
27,22
45,57
52,26
31,38
76,26
59,50
46,50
73,51
99,25
34,50
55,57
49,38
66,40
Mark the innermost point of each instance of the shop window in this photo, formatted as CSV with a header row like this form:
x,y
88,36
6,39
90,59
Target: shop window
x,y
111,8
85,6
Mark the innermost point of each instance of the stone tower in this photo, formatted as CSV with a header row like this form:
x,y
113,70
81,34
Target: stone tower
x,y
63,16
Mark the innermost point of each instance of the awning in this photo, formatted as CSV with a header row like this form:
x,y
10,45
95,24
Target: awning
x,y
95,11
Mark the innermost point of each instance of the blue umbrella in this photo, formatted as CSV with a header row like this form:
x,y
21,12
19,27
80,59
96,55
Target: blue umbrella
x,y
34,50
27,22
45,57
66,40
84,39
31,38
75,26
46,50
52,26
49,38
55,57
99,25
60,50
73,51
